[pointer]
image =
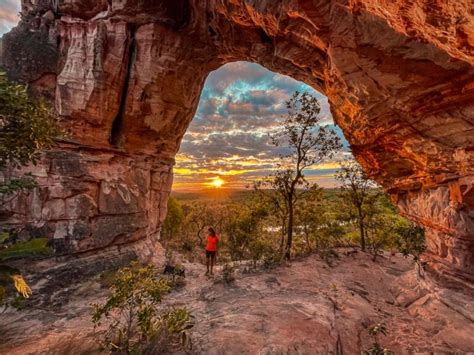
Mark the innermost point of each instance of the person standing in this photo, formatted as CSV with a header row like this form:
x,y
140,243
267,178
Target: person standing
x,y
211,250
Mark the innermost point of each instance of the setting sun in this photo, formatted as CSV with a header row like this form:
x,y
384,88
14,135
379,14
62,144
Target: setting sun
x,y
216,182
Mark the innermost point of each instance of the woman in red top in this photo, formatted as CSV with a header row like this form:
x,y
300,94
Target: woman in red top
x,y
211,249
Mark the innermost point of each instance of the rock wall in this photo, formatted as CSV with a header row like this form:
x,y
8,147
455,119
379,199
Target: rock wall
x,y
126,78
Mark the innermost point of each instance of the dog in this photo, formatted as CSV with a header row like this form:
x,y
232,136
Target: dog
x,y
174,271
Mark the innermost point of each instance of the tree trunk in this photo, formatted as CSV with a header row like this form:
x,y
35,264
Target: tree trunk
x,y
361,229
282,239
201,241
362,235
289,232
309,249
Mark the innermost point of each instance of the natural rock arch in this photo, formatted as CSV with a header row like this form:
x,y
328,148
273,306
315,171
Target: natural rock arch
x,y
126,78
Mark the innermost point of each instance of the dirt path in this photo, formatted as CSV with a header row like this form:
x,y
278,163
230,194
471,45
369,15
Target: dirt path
x,y
304,307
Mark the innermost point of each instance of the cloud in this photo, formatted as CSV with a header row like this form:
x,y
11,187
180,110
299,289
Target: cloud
x,y
241,103
9,10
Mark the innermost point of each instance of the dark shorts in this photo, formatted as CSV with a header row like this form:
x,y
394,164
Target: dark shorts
x,y
210,254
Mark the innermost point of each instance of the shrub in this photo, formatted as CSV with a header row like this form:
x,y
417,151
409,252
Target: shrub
x,y
376,348
31,248
411,241
174,219
261,248
381,233
11,278
327,238
27,127
172,333
130,313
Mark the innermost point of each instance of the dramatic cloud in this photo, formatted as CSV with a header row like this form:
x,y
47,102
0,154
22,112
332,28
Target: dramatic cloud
x,y
242,103
9,10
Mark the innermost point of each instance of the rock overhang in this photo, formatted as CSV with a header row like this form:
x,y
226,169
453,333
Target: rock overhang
x,y
128,76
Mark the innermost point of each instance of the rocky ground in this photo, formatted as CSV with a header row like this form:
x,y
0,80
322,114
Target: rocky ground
x,y
303,307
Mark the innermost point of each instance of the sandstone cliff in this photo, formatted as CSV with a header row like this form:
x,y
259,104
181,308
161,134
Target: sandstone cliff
x,y
126,77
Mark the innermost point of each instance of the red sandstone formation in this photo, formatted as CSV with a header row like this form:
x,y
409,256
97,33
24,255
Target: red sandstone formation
x,y
304,307
126,78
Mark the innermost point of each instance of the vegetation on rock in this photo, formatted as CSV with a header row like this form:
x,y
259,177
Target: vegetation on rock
x,y
27,127
131,316
411,242
377,349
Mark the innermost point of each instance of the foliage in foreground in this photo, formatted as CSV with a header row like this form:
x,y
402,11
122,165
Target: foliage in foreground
x,y
131,317
31,248
27,127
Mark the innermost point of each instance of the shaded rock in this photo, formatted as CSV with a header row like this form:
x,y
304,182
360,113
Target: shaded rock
x,y
107,228
118,198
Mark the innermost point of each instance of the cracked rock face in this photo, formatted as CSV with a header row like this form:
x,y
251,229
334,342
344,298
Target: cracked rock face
x,y
126,77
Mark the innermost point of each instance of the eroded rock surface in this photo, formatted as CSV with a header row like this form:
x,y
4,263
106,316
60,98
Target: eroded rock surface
x,y
304,307
126,78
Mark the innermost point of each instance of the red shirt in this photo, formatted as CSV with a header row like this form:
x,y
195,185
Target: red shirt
x,y
212,243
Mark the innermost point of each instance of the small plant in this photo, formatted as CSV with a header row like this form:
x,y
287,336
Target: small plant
x,y
18,302
130,316
376,348
107,278
33,248
176,323
9,276
172,334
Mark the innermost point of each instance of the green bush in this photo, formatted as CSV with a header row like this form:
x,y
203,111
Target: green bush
x,y
174,219
27,127
32,248
411,242
381,233
130,314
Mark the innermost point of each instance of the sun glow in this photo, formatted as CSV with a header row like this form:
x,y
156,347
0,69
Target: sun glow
x,y
216,182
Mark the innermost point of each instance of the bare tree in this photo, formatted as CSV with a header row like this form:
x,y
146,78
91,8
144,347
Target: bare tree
x,y
305,143
201,215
